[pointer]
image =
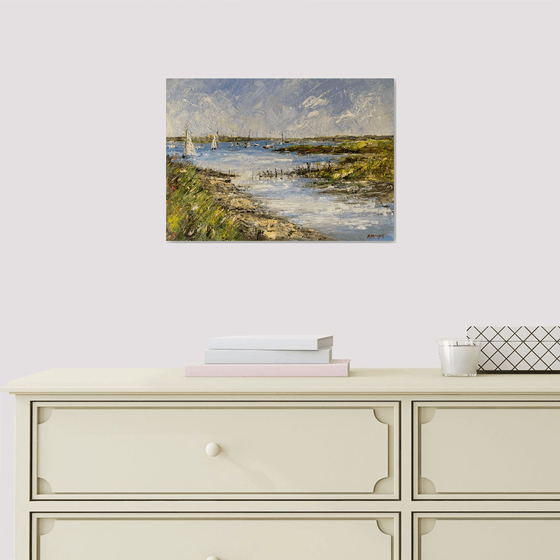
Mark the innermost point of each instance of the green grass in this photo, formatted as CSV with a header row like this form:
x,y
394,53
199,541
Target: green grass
x,y
370,160
192,215
367,146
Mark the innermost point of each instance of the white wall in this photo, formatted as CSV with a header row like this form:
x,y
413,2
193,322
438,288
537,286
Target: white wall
x,y
88,279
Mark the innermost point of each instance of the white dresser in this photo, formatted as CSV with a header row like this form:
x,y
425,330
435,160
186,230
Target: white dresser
x,y
145,464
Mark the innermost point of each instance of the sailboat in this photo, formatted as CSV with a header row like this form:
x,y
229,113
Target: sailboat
x,y
188,147
270,144
215,141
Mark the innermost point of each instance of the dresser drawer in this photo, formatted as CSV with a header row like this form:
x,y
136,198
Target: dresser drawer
x,y
194,450
496,450
225,537
461,536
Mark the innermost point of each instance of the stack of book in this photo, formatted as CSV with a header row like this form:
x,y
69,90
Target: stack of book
x,y
269,356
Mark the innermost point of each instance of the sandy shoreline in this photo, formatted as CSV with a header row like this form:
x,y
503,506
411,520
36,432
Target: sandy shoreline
x,y
255,222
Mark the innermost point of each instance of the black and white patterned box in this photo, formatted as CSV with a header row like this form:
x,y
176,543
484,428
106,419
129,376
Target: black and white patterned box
x,y
520,349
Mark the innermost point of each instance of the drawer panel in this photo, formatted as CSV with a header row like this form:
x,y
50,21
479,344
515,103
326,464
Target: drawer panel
x,y
305,450
227,537
488,536
492,450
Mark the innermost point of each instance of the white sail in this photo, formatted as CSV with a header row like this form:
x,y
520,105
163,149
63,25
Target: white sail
x,y
215,142
189,149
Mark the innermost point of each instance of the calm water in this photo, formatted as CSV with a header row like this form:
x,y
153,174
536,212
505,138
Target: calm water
x,y
334,215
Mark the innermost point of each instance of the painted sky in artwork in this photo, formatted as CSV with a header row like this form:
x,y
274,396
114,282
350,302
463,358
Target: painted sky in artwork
x,y
296,107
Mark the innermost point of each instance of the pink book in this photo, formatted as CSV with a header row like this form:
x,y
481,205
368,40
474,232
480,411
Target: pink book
x,y
337,368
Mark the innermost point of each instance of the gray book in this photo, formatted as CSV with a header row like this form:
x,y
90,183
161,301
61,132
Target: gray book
x,y
322,356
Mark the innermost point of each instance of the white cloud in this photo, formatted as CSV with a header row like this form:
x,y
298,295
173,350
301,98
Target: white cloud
x,y
294,107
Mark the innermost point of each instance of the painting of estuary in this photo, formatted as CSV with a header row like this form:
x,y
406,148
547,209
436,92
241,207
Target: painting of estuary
x,y
280,160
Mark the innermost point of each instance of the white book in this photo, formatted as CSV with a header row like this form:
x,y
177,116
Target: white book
x,y
322,356
271,342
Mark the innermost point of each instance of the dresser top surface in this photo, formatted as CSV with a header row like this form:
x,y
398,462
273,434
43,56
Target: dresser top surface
x,y
375,381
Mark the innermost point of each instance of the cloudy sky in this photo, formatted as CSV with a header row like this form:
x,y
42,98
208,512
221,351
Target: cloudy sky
x,y
270,107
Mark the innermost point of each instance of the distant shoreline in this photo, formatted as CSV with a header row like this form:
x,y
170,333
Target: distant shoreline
x,y
225,139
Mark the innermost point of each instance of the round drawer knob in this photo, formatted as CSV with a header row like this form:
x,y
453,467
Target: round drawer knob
x,y
212,449
212,558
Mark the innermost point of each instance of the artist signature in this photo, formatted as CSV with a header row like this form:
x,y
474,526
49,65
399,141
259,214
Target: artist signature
x,y
376,236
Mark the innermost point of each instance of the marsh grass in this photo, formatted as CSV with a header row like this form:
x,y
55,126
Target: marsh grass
x,y
368,160
192,215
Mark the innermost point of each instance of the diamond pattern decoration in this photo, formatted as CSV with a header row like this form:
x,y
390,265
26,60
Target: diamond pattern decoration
x,y
527,349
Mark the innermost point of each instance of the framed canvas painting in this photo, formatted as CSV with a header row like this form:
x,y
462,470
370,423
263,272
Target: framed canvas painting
x,y
280,160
